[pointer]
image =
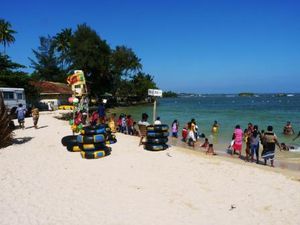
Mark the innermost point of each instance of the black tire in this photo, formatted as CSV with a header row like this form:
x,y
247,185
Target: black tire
x,y
161,127
91,139
95,154
71,139
91,147
157,134
157,140
111,141
156,147
93,130
73,148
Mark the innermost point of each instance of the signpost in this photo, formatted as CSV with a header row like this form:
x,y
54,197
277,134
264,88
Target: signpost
x,y
155,93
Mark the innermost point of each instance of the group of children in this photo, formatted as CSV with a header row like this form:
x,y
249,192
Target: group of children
x,y
190,135
124,124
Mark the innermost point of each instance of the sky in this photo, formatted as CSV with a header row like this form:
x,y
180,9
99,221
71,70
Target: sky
x,y
188,46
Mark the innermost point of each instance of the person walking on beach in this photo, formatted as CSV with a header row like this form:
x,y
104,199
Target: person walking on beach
x,y
269,140
21,112
238,140
175,127
35,116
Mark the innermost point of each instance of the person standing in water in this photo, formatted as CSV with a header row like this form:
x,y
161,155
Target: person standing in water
x,y
288,129
238,140
175,127
269,140
215,127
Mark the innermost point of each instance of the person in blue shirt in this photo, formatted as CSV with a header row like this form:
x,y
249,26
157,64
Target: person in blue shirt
x,y
21,112
101,112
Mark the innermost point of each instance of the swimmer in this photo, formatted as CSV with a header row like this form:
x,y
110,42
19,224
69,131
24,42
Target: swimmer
x,y
215,127
285,147
288,129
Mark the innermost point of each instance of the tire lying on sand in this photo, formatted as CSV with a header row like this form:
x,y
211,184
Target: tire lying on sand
x,y
95,154
156,147
91,139
91,147
111,139
156,134
93,130
73,148
161,127
70,139
162,140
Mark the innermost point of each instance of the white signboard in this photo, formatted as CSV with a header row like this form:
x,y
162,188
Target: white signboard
x,y
155,92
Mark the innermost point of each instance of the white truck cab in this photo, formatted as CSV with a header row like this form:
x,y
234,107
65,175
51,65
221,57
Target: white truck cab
x,y
13,97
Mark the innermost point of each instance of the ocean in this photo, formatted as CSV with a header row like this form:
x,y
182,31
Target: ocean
x,y
229,110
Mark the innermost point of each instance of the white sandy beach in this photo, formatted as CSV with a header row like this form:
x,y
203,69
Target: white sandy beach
x,y
43,183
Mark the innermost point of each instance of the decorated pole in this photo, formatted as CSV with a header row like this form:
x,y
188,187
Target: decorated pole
x,y
155,93
79,100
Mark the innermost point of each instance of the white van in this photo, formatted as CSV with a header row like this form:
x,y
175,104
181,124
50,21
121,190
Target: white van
x,y
13,97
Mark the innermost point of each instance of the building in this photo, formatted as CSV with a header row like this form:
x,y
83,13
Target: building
x,y
52,94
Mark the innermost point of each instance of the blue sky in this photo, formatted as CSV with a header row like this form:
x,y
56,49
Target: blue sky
x,y
188,46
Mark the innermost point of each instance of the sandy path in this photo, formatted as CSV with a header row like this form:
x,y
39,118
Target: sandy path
x,y
43,183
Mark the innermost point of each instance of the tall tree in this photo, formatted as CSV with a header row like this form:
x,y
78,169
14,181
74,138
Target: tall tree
x,y
46,66
141,83
6,34
62,44
125,61
92,55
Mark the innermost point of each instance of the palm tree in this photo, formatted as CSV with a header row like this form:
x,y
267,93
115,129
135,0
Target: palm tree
x,y
62,43
6,34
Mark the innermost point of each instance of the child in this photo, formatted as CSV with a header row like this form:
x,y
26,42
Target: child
x,y
205,144
175,129
184,134
247,150
35,116
112,123
210,149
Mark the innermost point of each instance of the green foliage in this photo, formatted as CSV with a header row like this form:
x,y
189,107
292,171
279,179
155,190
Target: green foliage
x,y
141,83
7,65
125,61
10,76
62,44
6,134
6,34
92,55
170,94
46,67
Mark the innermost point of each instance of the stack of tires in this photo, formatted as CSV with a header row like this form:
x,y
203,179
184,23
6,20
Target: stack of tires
x,y
92,142
157,137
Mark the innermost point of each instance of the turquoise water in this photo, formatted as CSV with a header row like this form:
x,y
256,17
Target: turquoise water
x,y
229,110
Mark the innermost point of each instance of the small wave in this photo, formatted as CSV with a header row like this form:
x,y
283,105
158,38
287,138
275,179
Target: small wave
x,y
296,149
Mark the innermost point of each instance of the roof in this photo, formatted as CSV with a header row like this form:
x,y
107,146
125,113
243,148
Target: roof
x,y
48,87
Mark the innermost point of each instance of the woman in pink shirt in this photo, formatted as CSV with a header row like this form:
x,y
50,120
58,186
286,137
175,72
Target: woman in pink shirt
x,y
238,140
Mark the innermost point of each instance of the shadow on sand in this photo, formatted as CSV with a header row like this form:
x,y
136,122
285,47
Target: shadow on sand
x,y
36,128
19,141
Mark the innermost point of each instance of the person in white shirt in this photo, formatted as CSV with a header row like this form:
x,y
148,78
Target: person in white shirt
x,y
157,121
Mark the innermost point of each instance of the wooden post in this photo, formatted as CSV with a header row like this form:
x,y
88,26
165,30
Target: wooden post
x,y
154,110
